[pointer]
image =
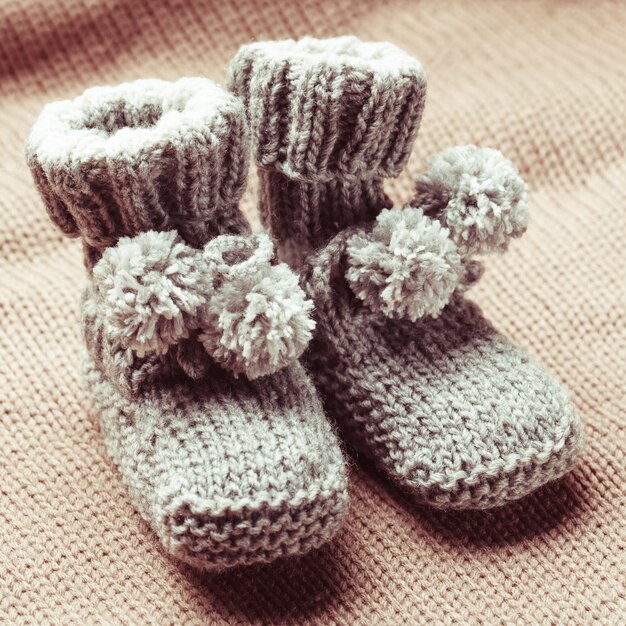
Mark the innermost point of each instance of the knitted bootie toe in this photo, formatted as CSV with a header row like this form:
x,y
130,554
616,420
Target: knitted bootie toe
x,y
415,376
329,120
192,330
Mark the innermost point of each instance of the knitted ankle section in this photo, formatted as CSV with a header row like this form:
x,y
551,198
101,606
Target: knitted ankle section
x,y
302,216
151,154
329,120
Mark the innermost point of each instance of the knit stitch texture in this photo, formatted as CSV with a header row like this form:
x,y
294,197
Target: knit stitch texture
x,y
443,404
542,81
191,141
228,470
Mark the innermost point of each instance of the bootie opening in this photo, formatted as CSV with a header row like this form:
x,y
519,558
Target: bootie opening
x,y
147,155
117,121
123,116
381,56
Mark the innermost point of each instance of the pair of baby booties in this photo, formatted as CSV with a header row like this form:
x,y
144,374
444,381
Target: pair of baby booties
x,y
193,328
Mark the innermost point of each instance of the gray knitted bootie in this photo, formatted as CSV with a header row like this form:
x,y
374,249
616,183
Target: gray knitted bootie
x,y
415,376
192,331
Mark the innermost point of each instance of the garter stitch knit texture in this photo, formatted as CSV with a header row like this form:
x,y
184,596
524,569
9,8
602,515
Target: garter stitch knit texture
x,y
414,375
226,469
329,119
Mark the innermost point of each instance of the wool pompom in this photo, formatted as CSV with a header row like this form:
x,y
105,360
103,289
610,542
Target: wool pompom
x,y
478,195
407,267
259,319
151,289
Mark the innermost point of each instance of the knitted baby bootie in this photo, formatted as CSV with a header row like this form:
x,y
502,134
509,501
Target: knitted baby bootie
x,y
415,376
329,119
192,330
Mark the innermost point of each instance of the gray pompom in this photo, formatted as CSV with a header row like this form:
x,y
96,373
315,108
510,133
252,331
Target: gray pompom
x,y
407,267
259,319
151,288
478,195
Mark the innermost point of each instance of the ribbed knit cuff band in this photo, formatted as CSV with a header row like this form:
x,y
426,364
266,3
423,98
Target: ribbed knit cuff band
x,y
324,109
303,216
150,154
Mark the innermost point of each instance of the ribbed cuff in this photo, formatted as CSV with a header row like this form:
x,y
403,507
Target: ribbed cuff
x,y
323,109
150,154
303,216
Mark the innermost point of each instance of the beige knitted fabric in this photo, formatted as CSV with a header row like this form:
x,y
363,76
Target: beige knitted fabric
x,y
545,83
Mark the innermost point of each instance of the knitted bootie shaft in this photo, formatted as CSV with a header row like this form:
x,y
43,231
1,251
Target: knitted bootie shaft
x,y
302,216
329,120
151,154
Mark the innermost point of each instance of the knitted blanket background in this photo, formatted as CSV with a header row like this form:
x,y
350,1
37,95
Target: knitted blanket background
x,y
543,82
